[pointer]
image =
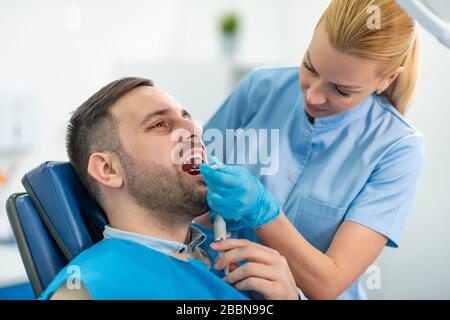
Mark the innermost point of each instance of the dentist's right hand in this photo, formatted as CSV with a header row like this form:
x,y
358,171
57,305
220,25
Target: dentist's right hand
x,y
239,197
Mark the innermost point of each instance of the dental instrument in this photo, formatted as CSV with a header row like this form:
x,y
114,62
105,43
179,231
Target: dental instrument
x,y
220,227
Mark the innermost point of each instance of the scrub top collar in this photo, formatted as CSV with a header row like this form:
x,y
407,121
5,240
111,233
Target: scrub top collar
x,y
339,119
160,245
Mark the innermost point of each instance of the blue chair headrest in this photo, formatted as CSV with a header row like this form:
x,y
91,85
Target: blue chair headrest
x,y
41,255
73,218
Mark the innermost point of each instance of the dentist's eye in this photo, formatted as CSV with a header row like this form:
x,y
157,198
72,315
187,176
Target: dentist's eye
x,y
307,67
342,93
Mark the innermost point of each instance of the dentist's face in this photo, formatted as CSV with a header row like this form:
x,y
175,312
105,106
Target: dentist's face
x,y
157,136
333,82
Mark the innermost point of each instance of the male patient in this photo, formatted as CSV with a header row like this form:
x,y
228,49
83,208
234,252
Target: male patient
x,y
121,144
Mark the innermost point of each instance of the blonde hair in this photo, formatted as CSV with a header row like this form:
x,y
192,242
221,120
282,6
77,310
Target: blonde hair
x,y
393,44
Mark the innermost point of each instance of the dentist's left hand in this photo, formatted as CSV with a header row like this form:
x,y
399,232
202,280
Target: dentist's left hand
x,y
239,197
266,271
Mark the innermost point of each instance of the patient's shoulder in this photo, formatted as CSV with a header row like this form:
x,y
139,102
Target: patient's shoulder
x,y
64,293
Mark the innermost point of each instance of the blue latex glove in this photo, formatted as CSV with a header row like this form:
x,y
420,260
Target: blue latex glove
x,y
213,160
238,196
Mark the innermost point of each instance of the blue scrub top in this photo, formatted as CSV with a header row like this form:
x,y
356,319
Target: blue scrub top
x,y
359,166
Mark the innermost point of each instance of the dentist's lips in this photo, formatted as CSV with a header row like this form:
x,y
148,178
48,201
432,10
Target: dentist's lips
x,y
191,165
313,109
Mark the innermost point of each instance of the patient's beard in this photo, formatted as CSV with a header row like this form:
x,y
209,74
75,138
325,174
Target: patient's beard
x,y
157,188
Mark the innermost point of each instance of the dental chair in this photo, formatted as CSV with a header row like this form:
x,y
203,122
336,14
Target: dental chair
x,y
53,222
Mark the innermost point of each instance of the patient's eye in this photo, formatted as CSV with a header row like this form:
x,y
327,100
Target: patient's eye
x,y
160,124
186,114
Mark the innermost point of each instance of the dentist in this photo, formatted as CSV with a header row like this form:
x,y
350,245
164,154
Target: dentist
x,y
350,161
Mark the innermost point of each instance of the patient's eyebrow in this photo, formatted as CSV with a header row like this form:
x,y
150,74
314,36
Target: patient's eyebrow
x,y
149,116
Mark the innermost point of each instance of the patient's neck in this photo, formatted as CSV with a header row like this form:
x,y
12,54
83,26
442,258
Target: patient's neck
x,y
156,224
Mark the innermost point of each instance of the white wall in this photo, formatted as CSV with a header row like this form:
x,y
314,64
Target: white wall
x,y
421,267
65,65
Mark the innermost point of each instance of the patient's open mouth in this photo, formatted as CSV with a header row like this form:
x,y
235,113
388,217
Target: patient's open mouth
x,y
191,168
192,164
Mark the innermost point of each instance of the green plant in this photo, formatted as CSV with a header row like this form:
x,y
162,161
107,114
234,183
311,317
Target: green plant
x,y
229,23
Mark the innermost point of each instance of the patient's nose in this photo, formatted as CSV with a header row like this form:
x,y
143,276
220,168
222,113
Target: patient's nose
x,y
194,141
191,131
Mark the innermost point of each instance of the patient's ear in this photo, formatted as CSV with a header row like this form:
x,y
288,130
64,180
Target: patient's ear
x,y
105,168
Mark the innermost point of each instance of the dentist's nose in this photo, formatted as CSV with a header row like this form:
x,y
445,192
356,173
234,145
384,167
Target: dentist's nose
x,y
315,96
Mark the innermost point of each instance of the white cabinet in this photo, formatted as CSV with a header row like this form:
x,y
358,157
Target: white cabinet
x,y
18,110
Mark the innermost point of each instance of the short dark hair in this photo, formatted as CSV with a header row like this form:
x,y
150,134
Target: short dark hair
x,y
92,128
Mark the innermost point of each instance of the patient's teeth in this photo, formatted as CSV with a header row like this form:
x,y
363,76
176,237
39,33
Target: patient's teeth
x,y
191,168
192,162
195,158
